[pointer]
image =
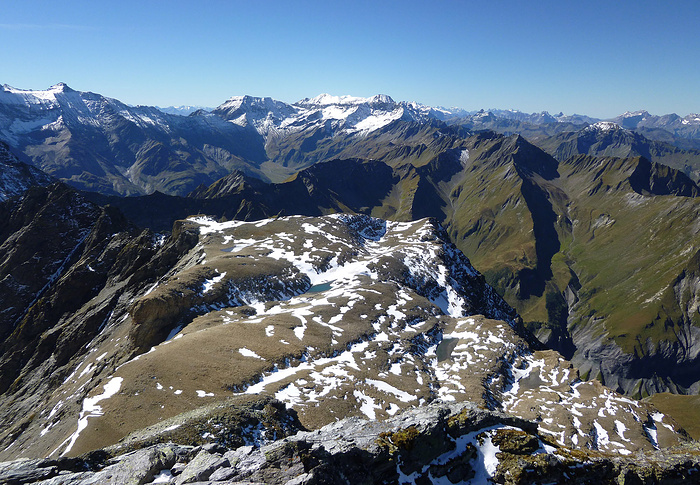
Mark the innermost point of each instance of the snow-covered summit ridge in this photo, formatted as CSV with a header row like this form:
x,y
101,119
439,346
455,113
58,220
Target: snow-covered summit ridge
x,y
11,95
630,114
336,114
60,106
604,126
328,99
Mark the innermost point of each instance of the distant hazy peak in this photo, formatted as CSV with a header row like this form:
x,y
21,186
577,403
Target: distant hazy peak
x,y
603,126
632,114
327,99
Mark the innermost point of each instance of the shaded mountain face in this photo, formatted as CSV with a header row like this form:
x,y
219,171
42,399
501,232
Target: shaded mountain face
x,y
68,268
610,139
16,177
247,331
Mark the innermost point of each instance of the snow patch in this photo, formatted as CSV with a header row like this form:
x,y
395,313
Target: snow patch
x,y
91,410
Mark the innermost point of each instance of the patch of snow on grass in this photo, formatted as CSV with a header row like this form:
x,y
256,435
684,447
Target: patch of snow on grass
x,y
249,353
208,285
91,410
209,225
620,429
602,438
87,369
368,406
392,409
384,387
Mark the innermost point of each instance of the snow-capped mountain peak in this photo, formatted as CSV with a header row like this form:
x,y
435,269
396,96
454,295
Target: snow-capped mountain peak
x,y
604,126
61,88
633,114
183,110
28,95
346,114
328,99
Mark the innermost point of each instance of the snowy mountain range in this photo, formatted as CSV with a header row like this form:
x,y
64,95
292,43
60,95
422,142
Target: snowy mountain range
x,y
183,110
101,144
346,114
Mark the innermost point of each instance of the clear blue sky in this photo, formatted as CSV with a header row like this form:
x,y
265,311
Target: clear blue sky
x,y
598,57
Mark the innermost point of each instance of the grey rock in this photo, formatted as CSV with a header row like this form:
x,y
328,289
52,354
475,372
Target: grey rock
x,y
25,471
141,466
201,467
222,474
435,442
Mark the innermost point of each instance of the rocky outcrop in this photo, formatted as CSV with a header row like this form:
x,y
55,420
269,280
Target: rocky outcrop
x,y
440,443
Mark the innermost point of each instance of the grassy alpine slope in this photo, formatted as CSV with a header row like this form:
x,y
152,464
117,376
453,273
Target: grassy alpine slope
x,y
596,254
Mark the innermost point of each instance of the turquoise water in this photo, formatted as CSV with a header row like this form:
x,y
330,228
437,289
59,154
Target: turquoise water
x,y
320,288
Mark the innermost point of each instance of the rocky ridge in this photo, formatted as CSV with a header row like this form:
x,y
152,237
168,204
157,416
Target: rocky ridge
x,y
438,443
609,139
69,267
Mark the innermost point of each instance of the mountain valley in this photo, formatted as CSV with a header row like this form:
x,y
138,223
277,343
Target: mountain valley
x,y
261,282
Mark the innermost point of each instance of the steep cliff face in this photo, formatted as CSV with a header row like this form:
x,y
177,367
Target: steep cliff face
x,y
627,318
69,270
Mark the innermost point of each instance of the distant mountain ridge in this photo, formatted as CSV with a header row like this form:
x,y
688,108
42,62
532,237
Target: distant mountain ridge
x,y
183,110
101,144
607,138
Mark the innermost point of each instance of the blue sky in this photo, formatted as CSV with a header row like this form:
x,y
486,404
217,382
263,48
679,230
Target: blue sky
x,y
597,58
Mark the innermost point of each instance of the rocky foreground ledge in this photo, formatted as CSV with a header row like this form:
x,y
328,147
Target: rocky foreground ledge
x,y
438,443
